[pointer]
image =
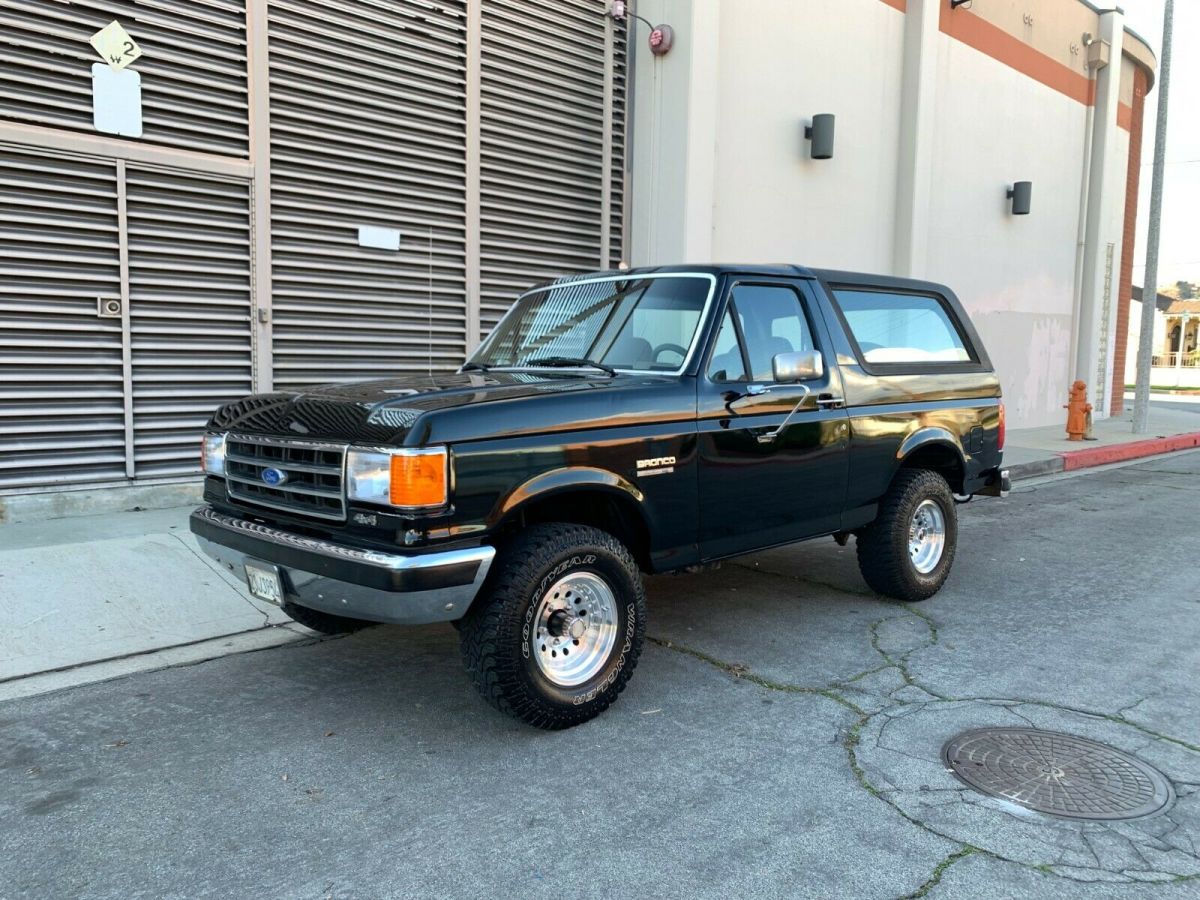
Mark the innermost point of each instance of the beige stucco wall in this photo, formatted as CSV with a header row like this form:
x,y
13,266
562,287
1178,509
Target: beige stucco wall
x,y
722,173
1014,274
782,64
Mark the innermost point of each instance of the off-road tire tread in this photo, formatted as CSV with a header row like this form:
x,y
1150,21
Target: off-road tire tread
x,y
882,546
492,667
325,623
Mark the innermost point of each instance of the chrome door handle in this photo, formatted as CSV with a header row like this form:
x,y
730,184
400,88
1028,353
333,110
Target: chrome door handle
x,y
828,401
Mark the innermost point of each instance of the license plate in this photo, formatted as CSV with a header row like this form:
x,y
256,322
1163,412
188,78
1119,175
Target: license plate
x,y
264,582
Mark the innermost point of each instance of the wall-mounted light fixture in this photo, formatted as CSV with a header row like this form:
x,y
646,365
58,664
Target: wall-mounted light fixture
x,y
820,136
662,37
1021,195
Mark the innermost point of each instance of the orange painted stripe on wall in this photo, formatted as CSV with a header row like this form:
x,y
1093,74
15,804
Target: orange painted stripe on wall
x,y
901,5
1125,116
965,26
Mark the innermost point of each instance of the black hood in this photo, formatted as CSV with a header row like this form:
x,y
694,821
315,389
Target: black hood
x,y
385,410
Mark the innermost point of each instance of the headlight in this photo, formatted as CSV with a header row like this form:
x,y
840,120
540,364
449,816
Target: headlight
x,y
409,479
212,454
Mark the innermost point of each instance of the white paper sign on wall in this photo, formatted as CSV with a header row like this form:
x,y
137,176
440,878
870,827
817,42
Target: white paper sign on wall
x,y
378,238
116,101
115,46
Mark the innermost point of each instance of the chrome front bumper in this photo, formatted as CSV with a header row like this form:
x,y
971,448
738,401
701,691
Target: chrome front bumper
x,y
406,589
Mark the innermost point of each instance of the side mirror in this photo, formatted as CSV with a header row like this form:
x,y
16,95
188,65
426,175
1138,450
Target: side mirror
x,y
802,366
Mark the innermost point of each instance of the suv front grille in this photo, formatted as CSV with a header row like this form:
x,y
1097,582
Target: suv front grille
x,y
312,475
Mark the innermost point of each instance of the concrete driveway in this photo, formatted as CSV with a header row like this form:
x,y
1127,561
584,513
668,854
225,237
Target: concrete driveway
x,y
781,738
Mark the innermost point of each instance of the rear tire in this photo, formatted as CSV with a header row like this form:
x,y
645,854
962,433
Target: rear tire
x,y
907,552
558,633
324,622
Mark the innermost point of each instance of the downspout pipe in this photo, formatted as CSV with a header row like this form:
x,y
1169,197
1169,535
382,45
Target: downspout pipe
x,y
1081,230
1090,364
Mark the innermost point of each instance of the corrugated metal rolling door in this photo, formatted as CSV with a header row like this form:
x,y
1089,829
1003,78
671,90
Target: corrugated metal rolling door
x,y
541,145
61,398
381,142
193,68
190,310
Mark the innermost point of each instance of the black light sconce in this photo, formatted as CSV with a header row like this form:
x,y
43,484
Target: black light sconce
x,y
820,134
1021,195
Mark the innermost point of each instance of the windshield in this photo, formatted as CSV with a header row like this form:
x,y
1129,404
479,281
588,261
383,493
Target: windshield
x,y
644,324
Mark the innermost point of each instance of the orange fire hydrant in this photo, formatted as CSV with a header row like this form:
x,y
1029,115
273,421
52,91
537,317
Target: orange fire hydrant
x,y
1078,412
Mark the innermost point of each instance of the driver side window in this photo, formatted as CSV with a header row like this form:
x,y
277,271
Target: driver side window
x,y
772,322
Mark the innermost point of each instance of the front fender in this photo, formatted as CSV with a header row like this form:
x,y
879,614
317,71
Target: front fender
x,y
557,481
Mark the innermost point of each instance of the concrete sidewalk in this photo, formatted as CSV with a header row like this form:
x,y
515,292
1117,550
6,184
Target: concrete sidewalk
x,y
105,591
1032,452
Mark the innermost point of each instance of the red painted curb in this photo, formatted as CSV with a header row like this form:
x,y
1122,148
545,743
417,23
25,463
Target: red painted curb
x,y
1100,456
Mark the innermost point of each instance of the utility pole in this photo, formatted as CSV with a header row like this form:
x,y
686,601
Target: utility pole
x,y
1141,395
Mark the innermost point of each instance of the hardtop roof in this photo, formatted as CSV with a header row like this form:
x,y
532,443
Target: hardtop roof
x,y
773,270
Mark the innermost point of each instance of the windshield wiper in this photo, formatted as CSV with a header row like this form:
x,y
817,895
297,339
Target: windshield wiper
x,y
474,367
568,361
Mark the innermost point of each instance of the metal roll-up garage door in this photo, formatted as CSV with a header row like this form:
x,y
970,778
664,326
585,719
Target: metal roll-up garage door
x,y
193,67
61,398
377,143
189,310
542,143
125,317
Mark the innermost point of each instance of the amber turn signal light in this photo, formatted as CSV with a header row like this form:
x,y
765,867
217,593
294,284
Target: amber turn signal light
x,y
419,479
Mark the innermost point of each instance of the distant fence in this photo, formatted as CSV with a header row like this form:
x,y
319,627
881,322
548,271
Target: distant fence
x,y
1191,360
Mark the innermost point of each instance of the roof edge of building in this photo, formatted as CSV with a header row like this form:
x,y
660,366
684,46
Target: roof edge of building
x,y
1142,54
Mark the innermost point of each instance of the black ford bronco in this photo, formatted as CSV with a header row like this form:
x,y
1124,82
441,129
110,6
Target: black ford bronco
x,y
614,424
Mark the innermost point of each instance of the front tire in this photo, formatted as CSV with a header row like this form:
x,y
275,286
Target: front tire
x,y
907,552
558,634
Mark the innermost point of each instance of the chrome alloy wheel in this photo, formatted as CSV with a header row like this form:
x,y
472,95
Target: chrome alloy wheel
x,y
575,629
927,536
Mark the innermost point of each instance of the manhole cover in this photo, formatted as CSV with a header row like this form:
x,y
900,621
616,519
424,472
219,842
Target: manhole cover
x,y
1059,774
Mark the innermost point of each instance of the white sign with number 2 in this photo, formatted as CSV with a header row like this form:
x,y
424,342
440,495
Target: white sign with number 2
x,y
115,46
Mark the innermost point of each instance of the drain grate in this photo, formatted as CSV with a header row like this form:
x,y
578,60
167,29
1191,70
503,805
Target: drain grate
x,y
1058,774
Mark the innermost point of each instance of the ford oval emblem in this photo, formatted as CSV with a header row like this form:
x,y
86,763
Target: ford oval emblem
x,y
274,477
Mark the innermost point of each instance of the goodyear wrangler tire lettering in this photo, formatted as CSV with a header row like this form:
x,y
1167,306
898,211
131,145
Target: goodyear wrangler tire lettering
x,y
504,633
631,613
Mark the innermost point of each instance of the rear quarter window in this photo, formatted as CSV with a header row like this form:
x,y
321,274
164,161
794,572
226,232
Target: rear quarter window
x,y
894,328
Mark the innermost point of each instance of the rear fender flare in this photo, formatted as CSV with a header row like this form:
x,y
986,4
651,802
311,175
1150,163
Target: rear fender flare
x,y
924,437
932,437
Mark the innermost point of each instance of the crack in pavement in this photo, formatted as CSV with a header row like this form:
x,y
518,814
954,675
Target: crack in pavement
x,y
899,659
940,870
